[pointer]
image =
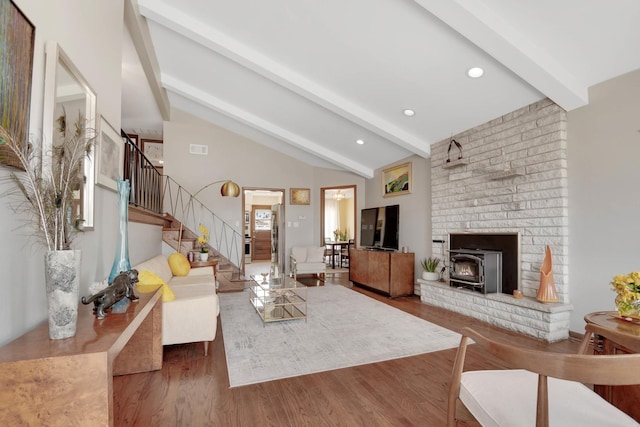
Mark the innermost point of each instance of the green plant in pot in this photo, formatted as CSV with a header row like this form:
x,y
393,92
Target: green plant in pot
x,y
430,265
43,195
202,240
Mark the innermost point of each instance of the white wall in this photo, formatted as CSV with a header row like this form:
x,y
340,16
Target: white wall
x,y
604,197
231,156
90,33
415,208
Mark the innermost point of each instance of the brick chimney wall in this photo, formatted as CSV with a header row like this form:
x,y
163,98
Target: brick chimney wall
x,y
512,177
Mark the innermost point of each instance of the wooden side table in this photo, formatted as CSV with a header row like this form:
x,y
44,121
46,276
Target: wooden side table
x,y
70,381
208,263
625,398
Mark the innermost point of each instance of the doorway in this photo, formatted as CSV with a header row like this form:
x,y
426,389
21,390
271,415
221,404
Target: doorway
x,y
257,205
261,235
338,213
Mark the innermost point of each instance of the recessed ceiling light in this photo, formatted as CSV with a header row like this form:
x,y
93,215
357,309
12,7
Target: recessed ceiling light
x,y
408,112
359,141
475,72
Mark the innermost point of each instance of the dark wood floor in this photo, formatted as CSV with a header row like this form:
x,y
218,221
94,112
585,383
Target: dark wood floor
x,y
193,390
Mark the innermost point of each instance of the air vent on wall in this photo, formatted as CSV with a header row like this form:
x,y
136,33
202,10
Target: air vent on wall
x,y
202,150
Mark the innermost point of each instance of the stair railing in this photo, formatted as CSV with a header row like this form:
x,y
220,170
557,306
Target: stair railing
x,y
145,180
161,194
191,212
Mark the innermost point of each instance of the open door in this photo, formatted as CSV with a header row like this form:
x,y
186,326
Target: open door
x,y
338,212
261,219
257,205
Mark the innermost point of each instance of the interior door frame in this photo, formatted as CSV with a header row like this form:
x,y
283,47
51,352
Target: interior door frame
x,y
355,209
242,207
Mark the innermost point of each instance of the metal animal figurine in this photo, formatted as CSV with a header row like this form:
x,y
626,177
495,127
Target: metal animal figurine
x,y
121,287
451,142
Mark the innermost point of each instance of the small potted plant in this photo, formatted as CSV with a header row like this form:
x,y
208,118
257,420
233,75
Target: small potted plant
x,y
202,240
430,265
627,286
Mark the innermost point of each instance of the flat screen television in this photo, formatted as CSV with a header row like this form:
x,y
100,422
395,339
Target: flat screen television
x,y
379,228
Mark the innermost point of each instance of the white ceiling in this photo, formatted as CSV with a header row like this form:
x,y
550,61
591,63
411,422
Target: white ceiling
x,y
309,77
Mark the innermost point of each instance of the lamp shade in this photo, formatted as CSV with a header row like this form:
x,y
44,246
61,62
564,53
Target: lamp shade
x,y
230,189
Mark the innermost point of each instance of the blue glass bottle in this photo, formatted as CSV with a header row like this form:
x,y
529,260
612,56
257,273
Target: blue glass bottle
x,y
121,262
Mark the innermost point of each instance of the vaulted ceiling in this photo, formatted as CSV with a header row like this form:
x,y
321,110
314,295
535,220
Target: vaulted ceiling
x,y
311,77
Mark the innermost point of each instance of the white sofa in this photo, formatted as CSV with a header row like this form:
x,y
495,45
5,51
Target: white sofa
x,y
193,315
307,260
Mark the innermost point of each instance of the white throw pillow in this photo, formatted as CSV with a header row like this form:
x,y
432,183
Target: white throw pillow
x,y
315,254
299,253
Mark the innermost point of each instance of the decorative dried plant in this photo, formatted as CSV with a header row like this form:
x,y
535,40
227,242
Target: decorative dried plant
x,y
48,191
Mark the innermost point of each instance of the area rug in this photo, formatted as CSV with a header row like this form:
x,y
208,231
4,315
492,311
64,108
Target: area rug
x,y
343,328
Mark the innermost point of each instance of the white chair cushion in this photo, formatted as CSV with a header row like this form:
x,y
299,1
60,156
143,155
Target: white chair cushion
x,y
508,398
299,254
315,254
311,267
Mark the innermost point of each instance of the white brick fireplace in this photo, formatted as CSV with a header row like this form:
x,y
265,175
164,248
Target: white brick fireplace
x,y
512,178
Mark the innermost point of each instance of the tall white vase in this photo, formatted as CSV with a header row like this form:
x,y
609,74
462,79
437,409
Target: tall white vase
x,y
62,276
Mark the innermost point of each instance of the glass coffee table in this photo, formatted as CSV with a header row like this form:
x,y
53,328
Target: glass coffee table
x,y
278,299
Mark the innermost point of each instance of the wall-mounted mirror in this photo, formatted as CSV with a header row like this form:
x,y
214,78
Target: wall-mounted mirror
x,y
67,94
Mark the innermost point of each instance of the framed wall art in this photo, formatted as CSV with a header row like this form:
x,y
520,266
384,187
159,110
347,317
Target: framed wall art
x,y
16,56
109,156
153,150
396,180
299,196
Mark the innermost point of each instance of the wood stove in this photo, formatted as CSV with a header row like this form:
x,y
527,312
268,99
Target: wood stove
x,y
476,269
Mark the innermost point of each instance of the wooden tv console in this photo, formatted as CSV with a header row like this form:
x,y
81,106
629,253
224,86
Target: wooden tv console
x,y
70,381
388,272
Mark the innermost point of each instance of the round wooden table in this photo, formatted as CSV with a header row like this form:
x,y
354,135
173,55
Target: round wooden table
x,y
624,397
612,320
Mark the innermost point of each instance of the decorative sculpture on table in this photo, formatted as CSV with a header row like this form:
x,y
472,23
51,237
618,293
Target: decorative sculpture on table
x,y
120,288
547,289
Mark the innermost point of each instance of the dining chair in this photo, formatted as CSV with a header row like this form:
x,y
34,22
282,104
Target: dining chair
x,y
540,388
344,253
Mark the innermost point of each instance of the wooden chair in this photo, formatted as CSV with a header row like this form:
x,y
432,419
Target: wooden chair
x,y
541,387
328,251
344,253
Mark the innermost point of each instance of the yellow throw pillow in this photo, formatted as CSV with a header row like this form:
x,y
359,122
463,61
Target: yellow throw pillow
x,y
179,264
149,281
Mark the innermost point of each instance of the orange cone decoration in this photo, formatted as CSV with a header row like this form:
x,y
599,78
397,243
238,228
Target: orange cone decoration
x,y
547,289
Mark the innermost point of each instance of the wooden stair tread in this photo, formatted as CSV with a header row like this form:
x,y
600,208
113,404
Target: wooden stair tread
x,y
171,235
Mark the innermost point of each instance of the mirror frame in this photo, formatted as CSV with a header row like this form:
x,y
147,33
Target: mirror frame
x,y
54,55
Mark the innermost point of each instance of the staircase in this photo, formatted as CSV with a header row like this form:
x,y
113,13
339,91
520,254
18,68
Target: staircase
x,y
159,196
229,277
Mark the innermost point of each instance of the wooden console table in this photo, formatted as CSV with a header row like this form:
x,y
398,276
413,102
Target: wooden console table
x,y
625,398
70,381
388,272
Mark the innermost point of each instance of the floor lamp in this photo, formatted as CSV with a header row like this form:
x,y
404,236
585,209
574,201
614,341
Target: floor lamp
x,y
228,189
